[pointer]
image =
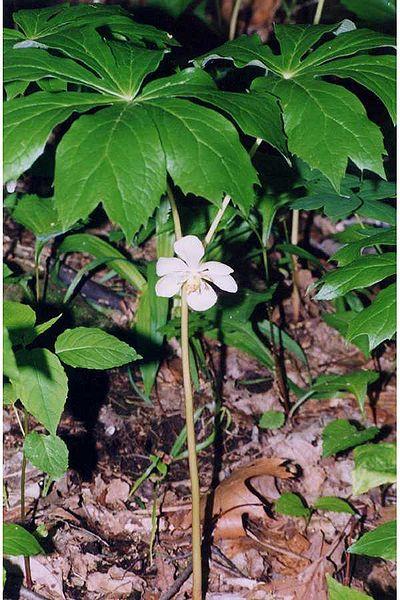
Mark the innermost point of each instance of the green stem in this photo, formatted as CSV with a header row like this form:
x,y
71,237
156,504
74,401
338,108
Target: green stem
x,y
216,221
234,19
28,574
190,431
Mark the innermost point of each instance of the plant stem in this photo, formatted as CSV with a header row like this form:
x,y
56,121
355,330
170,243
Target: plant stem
x,y
294,238
175,214
234,19
28,575
191,444
190,431
216,221
318,12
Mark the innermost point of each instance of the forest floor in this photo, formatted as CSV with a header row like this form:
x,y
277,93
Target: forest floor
x,y
104,543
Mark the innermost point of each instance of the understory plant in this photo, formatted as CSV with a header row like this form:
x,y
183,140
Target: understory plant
x,y
118,125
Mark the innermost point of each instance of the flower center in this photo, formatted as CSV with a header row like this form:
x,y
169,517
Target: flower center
x,y
193,283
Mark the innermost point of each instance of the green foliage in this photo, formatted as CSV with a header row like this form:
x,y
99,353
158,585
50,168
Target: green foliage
x,y
271,419
333,504
91,348
47,452
19,542
374,464
380,542
292,505
294,76
337,591
374,12
341,435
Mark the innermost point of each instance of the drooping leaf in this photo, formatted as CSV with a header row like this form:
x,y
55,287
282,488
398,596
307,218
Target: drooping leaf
x,y
10,368
375,464
334,504
43,386
353,250
47,452
360,273
337,591
17,541
271,419
380,542
92,348
39,215
292,505
341,322
340,435
355,382
377,321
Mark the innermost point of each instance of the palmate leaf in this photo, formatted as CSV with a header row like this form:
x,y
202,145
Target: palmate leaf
x,y
121,155
38,24
328,111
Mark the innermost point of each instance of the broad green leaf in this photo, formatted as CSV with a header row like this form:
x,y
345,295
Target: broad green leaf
x,y
92,348
10,368
341,322
19,320
334,504
91,244
360,273
203,153
340,435
151,315
37,24
19,542
43,386
355,382
375,237
271,419
121,164
29,121
9,392
332,109
38,215
377,321
375,464
292,505
380,542
326,107
47,452
376,73
374,12
337,591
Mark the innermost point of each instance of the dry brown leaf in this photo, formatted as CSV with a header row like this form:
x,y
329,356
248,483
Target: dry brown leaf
x,y
256,16
246,491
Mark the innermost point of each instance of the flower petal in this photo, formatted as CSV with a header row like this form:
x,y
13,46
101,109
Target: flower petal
x,y
190,249
203,299
170,265
225,282
216,268
169,285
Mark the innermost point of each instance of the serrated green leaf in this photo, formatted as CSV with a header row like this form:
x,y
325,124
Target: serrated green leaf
x,y
375,464
203,153
91,244
29,121
375,237
271,419
19,319
19,542
377,321
38,215
47,452
292,505
360,273
341,322
43,386
340,435
334,504
92,348
337,591
380,542
121,164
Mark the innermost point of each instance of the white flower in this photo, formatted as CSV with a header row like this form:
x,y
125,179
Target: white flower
x,y
189,271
